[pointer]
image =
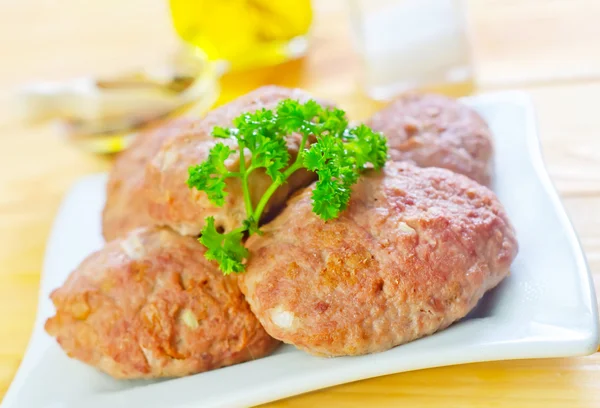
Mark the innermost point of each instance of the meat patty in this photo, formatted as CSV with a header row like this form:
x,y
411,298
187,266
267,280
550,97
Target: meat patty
x,y
126,207
173,204
150,305
435,131
415,251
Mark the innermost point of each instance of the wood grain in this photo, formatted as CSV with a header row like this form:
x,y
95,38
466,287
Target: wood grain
x,y
547,47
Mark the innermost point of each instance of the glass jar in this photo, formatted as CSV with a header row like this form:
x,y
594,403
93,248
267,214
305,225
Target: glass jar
x,y
244,33
412,44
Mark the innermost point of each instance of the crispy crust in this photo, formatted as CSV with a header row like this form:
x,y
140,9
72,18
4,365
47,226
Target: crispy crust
x,y
173,204
415,251
150,305
435,131
126,207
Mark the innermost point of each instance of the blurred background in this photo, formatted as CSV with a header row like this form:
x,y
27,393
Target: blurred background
x,y
114,67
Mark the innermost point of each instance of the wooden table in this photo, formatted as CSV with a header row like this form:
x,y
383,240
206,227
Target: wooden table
x,y
549,48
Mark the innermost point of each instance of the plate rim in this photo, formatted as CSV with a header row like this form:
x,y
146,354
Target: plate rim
x,y
534,145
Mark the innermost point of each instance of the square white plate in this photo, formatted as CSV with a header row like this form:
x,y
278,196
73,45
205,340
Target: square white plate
x,y
546,308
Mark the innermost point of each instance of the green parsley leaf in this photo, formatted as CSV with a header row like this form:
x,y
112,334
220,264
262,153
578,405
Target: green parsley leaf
x,y
222,133
290,116
227,249
330,197
367,146
337,173
260,133
210,175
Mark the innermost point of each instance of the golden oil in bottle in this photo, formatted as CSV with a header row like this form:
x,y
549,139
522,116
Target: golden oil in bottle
x,y
244,33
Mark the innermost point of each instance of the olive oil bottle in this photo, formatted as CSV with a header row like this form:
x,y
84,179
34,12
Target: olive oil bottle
x,y
244,33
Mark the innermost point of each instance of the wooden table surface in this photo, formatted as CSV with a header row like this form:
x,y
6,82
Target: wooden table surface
x,y
548,48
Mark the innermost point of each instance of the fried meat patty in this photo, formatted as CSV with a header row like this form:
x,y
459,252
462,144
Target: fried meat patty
x,y
150,305
173,204
436,131
415,251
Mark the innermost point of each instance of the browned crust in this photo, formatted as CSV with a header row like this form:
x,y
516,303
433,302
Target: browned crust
x,y
150,305
436,131
415,250
173,204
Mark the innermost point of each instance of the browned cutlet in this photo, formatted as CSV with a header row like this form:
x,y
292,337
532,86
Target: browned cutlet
x,y
150,305
414,252
436,131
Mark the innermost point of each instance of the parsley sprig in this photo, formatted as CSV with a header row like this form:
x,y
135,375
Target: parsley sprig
x,y
338,156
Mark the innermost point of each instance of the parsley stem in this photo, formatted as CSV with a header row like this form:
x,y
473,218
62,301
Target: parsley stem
x,y
265,199
296,166
286,174
273,187
245,189
301,147
238,230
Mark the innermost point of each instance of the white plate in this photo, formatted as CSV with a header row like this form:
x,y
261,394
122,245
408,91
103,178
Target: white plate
x,y
546,308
